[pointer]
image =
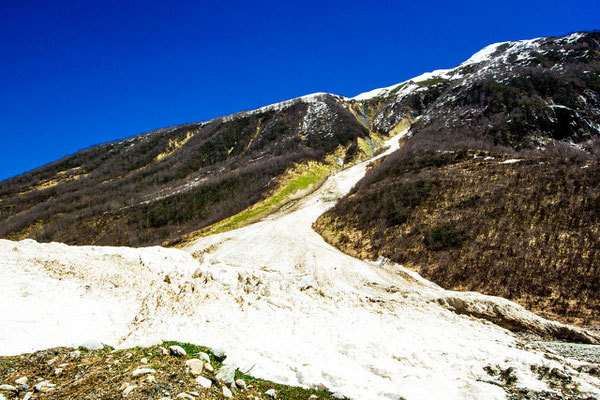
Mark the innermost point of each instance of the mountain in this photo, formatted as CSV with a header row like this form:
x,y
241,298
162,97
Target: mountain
x,y
318,242
497,187
451,203
157,186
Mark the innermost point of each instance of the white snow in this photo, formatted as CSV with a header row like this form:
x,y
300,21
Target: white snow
x,y
275,296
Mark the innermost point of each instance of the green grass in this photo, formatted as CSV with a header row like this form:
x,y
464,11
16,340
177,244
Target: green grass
x,y
304,176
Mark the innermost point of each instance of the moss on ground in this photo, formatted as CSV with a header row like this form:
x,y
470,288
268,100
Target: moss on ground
x,y
104,374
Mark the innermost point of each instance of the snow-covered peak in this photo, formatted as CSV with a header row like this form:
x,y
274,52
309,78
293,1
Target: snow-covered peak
x,y
520,47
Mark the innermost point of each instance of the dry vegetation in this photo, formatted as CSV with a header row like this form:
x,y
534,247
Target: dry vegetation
x,y
527,231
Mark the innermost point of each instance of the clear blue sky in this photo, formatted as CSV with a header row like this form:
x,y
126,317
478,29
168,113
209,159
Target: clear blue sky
x,y
77,73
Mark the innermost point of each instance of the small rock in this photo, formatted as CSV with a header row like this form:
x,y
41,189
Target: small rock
x,y
92,344
27,396
128,355
271,393
185,396
226,374
338,395
227,393
313,396
177,351
162,351
195,365
58,371
21,380
204,382
75,354
23,388
142,372
219,355
144,360
128,390
52,361
7,388
203,356
44,387
209,368
150,379
241,384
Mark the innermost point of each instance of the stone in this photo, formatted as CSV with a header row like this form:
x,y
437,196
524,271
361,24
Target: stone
x,y
92,344
177,351
204,382
128,355
203,356
21,380
7,388
44,387
241,384
185,396
75,354
226,374
162,351
142,372
28,396
3,397
271,393
209,368
58,371
195,365
150,379
128,390
144,360
313,396
219,355
227,393
195,394
338,395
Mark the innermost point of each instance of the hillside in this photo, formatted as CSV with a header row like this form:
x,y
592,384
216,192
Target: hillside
x,y
160,185
496,187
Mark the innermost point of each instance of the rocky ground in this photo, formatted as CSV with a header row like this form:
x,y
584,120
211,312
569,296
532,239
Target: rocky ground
x,y
170,371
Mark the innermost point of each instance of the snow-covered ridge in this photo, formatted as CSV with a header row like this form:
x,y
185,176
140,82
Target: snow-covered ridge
x,y
282,105
521,47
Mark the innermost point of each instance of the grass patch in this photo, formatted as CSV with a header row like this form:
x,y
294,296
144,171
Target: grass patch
x,y
299,178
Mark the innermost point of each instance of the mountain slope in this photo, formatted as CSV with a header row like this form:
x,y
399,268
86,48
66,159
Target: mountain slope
x,y
165,183
496,188
290,308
